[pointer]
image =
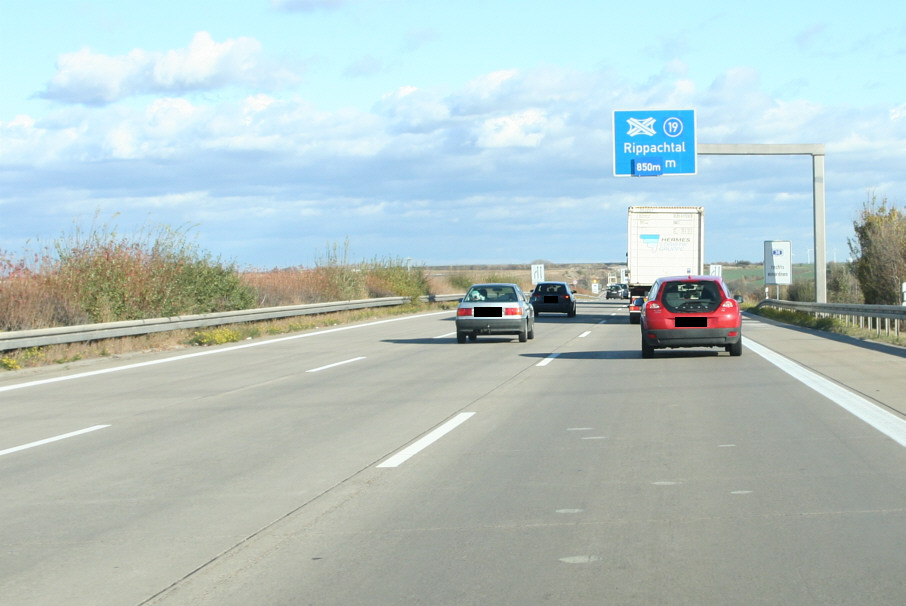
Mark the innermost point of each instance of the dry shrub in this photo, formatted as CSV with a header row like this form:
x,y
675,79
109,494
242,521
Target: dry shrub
x,y
283,286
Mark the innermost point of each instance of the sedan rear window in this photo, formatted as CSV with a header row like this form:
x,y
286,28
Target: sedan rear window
x,y
505,294
691,297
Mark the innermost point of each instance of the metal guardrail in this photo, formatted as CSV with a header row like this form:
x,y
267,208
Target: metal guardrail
x,y
868,316
21,339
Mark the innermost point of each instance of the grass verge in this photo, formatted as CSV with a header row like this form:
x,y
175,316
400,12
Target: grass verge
x,y
834,325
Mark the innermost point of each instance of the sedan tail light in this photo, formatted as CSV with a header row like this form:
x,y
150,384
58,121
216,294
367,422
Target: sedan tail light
x,y
464,311
513,311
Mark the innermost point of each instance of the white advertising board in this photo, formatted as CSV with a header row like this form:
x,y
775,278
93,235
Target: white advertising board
x,y
778,262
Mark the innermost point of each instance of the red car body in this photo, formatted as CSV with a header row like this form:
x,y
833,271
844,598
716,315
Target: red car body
x,y
691,311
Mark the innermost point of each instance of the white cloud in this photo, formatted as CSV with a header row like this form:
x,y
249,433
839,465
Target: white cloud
x,y
410,109
490,84
898,112
522,129
91,78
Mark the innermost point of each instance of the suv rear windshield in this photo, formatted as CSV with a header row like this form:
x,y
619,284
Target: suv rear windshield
x,y
691,297
551,289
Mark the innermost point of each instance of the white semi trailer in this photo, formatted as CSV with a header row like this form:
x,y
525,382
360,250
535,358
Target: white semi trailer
x,y
664,241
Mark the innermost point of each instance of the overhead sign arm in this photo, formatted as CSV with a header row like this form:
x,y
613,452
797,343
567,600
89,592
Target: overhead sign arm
x,y
816,151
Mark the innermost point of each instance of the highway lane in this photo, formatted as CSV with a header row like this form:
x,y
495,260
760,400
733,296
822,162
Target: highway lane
x,y
204,451
721,480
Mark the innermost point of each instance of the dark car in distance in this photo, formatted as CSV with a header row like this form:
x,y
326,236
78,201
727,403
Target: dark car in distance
x,y
553,297
691,311
617,291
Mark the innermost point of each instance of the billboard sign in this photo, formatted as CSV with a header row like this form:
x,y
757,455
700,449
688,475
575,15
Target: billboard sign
x,y
778,262
654,142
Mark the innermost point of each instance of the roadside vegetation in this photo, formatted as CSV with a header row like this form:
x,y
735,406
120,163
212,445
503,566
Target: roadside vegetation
x,y
828,324
874,275
102,275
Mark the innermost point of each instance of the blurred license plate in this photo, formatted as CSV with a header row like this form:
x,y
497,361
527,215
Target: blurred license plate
x,y
488,312
551,299
692,322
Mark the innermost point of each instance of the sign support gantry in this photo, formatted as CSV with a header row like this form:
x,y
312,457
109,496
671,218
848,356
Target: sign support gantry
x,y
816,151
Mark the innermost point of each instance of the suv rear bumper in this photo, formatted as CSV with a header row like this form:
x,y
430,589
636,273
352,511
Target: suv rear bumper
x,y
692,337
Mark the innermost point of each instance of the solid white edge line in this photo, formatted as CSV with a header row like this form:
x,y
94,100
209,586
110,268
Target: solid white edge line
x,y
320,368
211,352
548,359
886,422
53,439
416,447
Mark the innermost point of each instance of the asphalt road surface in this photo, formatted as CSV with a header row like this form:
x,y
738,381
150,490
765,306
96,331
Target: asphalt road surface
x,y
383,463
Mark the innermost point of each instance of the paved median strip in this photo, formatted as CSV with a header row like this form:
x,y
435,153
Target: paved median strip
x,y
418,446
213,351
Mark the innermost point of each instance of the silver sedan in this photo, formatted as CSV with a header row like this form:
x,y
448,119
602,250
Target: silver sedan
x,y
494,309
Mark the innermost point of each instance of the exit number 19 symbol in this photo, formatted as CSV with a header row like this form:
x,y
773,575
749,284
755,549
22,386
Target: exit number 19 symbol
x,y
673,127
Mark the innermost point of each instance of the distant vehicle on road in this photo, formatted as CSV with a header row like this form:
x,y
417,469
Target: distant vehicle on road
x,y
617,291
691,311
553,297
494,309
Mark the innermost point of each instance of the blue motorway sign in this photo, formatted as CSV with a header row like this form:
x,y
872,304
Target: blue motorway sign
x,y
654,142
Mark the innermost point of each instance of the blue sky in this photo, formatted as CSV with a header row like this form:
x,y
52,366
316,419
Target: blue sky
x,y
445,132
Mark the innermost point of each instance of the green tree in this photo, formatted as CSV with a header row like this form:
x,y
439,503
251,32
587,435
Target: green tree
x,y
842,285
879,251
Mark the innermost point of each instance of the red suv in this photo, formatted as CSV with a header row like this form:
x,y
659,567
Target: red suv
x,y
691,311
